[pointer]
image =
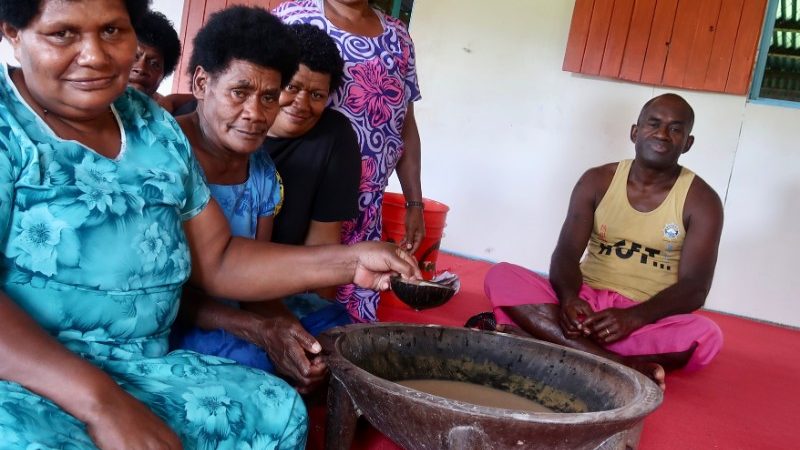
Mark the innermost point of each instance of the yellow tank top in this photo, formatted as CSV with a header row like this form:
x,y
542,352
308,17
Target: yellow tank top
x,y
631,252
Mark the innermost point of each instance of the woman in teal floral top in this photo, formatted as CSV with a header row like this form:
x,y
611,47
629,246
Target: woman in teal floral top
x,y
101,205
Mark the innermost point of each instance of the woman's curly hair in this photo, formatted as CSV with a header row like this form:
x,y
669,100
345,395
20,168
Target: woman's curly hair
x,y
318,52
245,33
155,30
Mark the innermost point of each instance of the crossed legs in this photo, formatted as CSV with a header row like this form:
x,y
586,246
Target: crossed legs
x,y
541,322
524,302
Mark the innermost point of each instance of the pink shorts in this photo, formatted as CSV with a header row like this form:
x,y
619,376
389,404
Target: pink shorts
x,y
511,285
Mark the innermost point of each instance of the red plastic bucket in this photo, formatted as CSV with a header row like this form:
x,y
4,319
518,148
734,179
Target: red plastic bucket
x,y
394,229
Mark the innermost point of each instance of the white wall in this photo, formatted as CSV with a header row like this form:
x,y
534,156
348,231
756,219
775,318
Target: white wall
x,y
6,53
506,134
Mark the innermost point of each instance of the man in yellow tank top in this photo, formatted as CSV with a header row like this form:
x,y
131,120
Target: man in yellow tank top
x,y
650,231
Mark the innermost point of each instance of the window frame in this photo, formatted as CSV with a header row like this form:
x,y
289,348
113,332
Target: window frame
x,y
395,9
761,62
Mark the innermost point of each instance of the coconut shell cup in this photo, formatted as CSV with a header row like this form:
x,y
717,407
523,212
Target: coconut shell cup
x,y
420,294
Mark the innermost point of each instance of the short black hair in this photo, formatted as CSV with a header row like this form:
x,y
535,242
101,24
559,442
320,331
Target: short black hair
x,y
673,96
20,13
246,33
155,30
319,52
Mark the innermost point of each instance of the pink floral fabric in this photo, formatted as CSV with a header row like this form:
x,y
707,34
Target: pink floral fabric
x,y
373,93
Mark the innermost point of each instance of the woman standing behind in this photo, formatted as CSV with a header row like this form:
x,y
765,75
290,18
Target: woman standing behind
x,y
380,86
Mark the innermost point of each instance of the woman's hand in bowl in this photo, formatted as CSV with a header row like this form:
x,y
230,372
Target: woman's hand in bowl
x,y
376,262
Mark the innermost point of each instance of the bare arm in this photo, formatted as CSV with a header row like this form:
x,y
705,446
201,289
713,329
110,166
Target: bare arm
x,y
565,272
113,418
409,170
703,218
291,348
31,357
267,324
172,102
249,270
324,233
264,228
202,311
199,309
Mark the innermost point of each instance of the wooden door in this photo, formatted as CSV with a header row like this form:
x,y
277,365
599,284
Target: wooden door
x,y
195,14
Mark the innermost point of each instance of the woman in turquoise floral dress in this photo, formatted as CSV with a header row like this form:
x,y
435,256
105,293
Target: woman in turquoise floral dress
x,y
101,206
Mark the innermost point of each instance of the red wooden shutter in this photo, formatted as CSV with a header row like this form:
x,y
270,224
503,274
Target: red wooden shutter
x,y
692,44
195,14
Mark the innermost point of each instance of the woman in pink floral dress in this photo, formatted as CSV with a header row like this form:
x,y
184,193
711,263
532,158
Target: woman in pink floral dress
x,y
380,86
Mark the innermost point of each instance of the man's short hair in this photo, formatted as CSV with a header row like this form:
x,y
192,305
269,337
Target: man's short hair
x,y
668,95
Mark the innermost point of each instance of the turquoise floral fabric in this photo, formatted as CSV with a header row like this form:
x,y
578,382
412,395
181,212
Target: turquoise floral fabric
x,y
93,249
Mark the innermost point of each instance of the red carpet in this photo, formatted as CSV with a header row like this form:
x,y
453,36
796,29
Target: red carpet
x,y
744,400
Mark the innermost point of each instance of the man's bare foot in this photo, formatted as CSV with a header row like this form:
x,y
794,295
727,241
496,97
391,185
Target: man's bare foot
x,y
511,329
651,370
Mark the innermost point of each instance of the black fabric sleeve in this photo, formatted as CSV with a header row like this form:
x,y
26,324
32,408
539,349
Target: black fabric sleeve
x,y
337,196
